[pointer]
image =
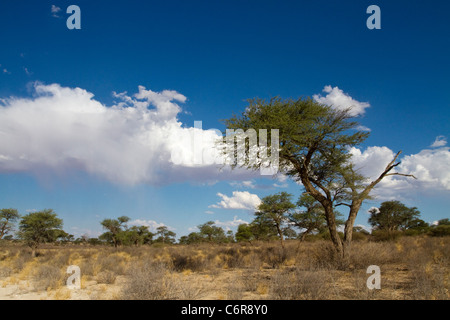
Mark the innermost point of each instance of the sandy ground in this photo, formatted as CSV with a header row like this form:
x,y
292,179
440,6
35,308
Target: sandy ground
x,y
91,290
224,285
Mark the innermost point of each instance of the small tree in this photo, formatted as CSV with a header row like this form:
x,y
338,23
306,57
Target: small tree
x,y
7,218
262,228
211,233
275,208
244,233
441,229
165,235
393,216
311,219
39,227
114,227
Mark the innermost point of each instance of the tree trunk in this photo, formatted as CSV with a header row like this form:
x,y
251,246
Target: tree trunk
x,y
33,251
348,230
331,222
281,235
304,234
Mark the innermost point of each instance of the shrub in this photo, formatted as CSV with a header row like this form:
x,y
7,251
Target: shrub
x,y
440,231
298,284
107,277
47,277
148,282
385,235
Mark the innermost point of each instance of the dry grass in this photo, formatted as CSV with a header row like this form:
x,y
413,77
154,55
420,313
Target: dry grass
x,y
411,268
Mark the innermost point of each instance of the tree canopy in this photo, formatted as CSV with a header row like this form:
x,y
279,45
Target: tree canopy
x,y
40,227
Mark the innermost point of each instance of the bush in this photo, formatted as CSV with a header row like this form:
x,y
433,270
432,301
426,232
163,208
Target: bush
x,y
47,277
107,277
440,231
297,284
385,235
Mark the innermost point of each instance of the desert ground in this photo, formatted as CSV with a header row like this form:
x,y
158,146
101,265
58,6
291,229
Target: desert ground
x,y
411,268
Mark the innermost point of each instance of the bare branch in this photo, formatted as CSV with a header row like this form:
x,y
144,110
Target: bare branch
x,y
401,174
343,204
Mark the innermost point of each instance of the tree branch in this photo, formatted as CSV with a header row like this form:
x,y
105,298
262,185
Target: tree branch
x,y
401,174
343,204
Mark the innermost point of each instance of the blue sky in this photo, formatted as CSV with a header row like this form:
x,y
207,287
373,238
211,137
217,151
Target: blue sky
x,y
216,54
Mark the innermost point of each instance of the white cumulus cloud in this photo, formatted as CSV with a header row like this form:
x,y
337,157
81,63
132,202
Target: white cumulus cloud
x,y
230,224
439,142
239,200
151,224
137,140
431,167
337,99
55,10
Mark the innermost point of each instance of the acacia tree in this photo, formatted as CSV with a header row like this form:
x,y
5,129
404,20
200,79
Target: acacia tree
x,y
165,235
40,227
314,144
114,227
244,233
275,209
212,233
7,218
313,218
393,216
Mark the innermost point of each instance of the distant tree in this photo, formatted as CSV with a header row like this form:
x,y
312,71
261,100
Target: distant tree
x,y
165,235
244,233
417,226
7,219
39,227
94,241
262,228
289,233
191,238
393,216
275,208
311,219
212,233
114,227
136,235
444,222
229,236
441,229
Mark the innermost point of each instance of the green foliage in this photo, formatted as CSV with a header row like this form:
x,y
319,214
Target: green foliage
x,y
115,228
386,235
274,209
394,215
440,230
244,233
301,123
211,233
40,227
165,235
7,218
311,219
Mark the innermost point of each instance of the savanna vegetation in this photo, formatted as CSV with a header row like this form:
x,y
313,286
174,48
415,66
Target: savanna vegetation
x,y
266,259
305,248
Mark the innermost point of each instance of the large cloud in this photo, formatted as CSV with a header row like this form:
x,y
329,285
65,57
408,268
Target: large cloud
x,y
431,167
137,140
